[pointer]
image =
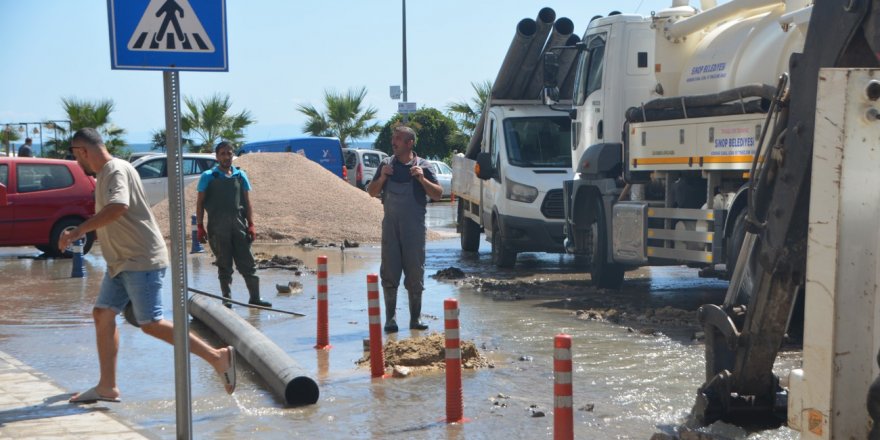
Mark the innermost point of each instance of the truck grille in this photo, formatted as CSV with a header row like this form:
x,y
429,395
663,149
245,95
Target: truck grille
x,y
552,206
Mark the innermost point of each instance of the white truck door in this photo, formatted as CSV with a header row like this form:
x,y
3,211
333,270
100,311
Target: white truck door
x,y
491,188
589,127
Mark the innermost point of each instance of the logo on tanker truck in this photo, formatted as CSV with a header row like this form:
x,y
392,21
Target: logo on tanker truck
x,y
707,71
734,141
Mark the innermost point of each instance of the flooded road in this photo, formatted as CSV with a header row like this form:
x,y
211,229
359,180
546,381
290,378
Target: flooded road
x,y
637,384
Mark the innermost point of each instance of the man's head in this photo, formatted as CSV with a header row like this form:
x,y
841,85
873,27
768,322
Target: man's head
x,y
88,148
223,153
403,139
28,141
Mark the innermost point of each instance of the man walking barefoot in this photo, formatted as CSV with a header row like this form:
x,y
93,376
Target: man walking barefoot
x,y
136,261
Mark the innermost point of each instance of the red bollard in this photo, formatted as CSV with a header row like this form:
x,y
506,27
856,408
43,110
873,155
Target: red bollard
x,y
323,324
563,415
377,358
454,405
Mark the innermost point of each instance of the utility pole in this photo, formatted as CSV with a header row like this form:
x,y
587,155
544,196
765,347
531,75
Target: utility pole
x,y
404,91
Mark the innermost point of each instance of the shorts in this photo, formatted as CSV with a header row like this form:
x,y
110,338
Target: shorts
x,y
142,288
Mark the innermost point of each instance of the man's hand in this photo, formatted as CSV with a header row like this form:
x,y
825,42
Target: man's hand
x,y
387,171
202,235
417,173
251,232
67,237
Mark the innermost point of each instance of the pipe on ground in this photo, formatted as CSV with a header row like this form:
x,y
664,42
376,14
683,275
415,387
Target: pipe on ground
x,y
283,376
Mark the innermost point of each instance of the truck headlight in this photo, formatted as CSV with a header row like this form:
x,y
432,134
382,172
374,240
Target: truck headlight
x,y
521,193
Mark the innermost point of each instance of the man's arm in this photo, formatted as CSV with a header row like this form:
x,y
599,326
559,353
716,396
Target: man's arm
x,y
249,212
432,189
376,185
109,214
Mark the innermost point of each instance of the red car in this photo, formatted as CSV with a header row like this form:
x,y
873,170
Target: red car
x,y
40,198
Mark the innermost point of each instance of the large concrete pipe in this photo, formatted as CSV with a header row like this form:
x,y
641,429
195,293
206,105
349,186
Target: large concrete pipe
x,y
525,32
567,69
562,31
284,377
532,58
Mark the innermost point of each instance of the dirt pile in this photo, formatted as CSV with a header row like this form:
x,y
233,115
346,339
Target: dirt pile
x,y
426,354
295,198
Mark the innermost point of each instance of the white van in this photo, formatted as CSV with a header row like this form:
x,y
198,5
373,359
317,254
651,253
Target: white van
x,y
361,165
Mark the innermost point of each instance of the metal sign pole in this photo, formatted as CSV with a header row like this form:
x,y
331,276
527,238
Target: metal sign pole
x,y
178,259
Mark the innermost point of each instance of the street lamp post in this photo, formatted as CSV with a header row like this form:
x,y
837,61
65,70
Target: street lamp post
x,y
405,88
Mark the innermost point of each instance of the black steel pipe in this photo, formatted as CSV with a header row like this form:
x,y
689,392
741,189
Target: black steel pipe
x,y
562,31
532,59
283,376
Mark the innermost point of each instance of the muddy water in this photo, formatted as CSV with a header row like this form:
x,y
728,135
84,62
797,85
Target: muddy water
x,y
637,384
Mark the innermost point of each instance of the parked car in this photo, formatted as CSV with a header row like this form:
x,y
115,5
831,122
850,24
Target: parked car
x,y
139,154
325,151
444,176
40,198
154,172
361,165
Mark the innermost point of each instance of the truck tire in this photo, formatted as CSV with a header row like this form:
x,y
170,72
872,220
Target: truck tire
x,y
501,256
62,225
605,274
470,231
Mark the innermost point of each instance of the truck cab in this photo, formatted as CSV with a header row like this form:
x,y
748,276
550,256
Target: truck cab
x,y
516,196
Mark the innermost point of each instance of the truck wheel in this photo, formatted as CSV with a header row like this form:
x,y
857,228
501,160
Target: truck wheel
x,y
605,274
470,231
501,256
61,226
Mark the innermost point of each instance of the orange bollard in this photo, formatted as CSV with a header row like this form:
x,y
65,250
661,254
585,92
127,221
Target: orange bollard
x,y
563,415
377,358
323,324
454,405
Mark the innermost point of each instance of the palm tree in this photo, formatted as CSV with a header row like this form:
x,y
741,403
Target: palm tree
x,y
345,118
7,135
210,121
466,114
84,113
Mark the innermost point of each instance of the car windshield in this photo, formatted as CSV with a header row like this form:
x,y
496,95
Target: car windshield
x,y
538,141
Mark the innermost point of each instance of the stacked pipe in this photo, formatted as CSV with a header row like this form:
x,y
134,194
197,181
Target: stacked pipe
x,y
521,75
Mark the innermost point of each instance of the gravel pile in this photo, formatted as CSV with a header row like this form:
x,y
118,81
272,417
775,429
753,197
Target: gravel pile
x,y
295,198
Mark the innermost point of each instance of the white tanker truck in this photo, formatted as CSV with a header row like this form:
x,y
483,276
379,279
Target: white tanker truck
x,y
664,182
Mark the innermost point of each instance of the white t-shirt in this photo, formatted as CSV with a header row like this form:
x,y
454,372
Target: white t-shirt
x,y
132,242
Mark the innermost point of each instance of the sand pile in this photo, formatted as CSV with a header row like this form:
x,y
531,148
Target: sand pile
x,y
426,353
295,198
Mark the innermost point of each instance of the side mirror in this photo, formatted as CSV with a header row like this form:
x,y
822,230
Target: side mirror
x,y
551,71
3,200
484,169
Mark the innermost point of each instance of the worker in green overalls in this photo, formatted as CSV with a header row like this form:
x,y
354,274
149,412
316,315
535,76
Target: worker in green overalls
x,y
403,181
224,194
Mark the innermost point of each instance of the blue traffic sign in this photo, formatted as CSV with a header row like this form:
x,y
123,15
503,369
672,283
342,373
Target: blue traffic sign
x,y
168,35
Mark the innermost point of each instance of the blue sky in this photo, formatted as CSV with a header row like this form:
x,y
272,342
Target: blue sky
x,y
281,53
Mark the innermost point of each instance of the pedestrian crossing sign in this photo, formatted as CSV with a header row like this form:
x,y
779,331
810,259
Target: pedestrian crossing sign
x,y
168,35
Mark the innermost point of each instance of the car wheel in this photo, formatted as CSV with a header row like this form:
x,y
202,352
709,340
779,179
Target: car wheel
x,y
605,274
61,226
501,256
470,231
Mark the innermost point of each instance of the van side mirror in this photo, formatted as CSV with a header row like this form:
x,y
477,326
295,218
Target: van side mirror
x,y
3,200
551,70
484,169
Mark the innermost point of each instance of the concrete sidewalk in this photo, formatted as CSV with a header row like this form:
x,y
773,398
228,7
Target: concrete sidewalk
x,y
32,407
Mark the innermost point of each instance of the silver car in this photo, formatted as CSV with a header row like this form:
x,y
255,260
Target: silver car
x,y
444,176
154,174
361,165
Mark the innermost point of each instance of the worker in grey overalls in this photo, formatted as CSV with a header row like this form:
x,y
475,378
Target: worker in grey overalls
x,y
404,180
224,194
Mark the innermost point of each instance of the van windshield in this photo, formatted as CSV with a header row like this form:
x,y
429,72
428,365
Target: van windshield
x,y
538,142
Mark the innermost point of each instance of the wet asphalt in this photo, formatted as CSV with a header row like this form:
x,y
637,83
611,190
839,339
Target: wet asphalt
x,y
626,384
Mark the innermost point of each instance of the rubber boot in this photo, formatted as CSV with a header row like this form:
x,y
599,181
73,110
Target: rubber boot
x,y
415,312
227,293
390,310
253,287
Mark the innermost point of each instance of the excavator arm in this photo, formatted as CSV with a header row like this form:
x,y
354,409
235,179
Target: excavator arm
x,y
744,335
